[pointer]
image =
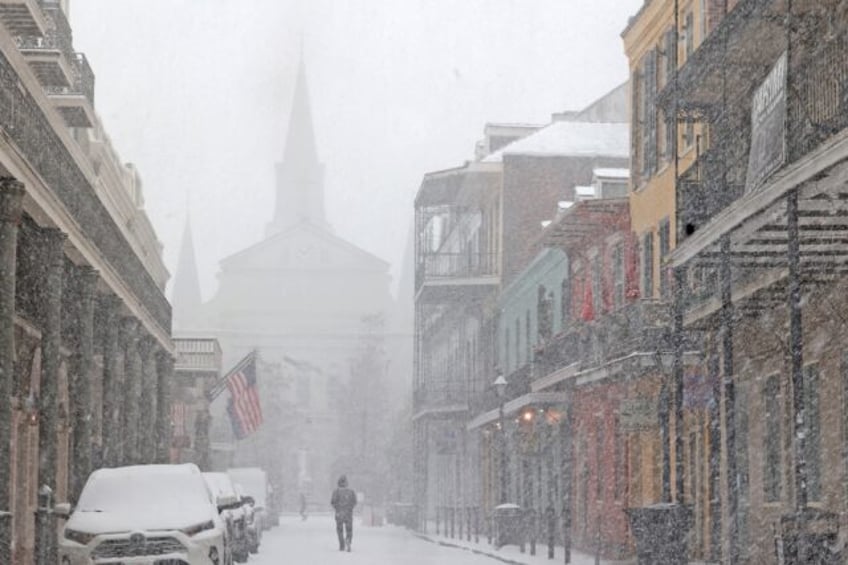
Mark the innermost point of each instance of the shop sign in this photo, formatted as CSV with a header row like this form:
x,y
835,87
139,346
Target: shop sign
x,y
768,127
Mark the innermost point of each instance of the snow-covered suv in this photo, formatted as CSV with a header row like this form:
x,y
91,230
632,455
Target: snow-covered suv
x,y
234,513
143,515
254,528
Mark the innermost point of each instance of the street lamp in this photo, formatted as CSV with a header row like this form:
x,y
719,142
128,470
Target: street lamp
x,y
500,388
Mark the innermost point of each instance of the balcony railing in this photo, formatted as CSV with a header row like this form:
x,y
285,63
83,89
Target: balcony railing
x,y
641,326
22,17
28,127
442,399
83,80
59,35
459,265
818,95
448,266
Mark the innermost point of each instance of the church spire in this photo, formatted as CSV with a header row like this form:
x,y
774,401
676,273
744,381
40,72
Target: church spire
x,y
186,294
300,175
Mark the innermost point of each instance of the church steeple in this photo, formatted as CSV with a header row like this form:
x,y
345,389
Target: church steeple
x,y
300,175
186,295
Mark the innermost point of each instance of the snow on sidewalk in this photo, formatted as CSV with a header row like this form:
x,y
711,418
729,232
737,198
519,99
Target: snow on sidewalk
x,y
512,554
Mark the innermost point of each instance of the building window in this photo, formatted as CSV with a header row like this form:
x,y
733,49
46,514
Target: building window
x,y
599,447
670,48
545,314
637,118
689,33
665,247
648,265
845,429
812,445
772,469
688,134
618,462
649,90
517,342
597,285
565,301
507,364
669,123
618,276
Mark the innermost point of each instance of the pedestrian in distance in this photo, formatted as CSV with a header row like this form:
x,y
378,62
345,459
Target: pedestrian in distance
x,y
343,501
303,514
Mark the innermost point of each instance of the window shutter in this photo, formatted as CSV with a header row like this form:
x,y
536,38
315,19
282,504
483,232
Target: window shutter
x,y
635,127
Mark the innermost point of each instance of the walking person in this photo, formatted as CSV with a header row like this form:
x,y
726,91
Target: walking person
x,y
303,507
343,501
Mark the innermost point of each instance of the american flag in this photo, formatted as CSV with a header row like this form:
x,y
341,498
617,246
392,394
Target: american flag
x,y
243,407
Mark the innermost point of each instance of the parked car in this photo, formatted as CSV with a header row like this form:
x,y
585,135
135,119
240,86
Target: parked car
x,y
254,528
254,481
233,512
144,514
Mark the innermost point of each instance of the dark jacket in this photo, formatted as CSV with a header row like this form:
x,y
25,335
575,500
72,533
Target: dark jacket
x,y
343,501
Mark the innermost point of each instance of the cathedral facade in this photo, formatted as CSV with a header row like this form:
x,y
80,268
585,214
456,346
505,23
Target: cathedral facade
x,y
303,297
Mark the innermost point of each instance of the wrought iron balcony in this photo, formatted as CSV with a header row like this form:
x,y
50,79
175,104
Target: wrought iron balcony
x,y
26,124
443,401
76,101
449,271
23,18
51,55
639,327
818,95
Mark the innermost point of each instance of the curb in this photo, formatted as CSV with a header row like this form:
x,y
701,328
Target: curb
x,y
469,549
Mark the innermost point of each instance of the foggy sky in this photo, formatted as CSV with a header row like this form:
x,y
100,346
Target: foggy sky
x,y
196,93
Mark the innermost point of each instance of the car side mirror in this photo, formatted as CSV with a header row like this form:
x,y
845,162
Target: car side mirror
x,y
63,510
226,503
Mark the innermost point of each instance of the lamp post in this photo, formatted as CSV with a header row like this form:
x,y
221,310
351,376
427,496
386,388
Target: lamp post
x,y
500,388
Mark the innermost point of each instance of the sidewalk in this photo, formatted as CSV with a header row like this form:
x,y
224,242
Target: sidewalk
x,y
512,554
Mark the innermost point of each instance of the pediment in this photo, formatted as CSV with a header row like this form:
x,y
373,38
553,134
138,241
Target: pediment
x,y
304,247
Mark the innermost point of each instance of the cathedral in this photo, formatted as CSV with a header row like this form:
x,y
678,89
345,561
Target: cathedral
x,y
306,299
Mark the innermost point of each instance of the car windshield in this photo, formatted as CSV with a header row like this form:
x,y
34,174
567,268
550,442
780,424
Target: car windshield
x,y
115,492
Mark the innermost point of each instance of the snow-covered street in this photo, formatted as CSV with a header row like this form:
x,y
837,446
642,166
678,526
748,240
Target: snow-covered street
x,y
314,541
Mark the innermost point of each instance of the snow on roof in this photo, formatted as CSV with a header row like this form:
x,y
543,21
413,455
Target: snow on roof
x,y
565,204
584,192
578,139
220,484
253,480
612,173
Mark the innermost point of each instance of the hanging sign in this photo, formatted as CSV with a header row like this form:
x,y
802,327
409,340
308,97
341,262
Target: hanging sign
x,y
768,127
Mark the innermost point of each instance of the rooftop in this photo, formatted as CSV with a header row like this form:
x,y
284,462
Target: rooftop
x,y
623,174
577,139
